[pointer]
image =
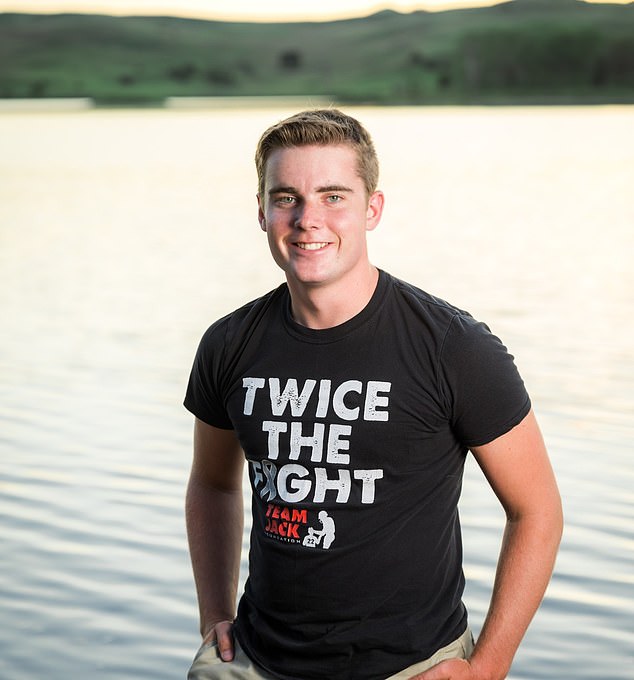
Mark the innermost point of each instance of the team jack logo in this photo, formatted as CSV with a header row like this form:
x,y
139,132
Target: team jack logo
x,y
290,525
325,535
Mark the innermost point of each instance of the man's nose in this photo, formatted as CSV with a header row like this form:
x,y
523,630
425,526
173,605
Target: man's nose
x,y
308,216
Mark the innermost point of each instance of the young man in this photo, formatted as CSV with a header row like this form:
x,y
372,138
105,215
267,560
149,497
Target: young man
x,y
354,398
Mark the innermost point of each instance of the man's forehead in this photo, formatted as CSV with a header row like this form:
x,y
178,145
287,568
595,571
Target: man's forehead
x,y
332,165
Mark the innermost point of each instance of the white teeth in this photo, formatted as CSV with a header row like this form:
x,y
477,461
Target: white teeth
x,y
311,246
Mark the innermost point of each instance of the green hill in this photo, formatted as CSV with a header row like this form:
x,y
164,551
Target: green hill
x,y
523,50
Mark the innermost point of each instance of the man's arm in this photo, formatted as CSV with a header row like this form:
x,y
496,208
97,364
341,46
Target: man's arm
x,y
214,516
517,467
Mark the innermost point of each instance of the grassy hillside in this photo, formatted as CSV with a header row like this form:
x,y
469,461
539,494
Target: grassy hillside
x,y
523,50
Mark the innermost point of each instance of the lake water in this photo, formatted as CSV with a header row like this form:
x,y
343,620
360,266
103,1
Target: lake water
x,y
123,234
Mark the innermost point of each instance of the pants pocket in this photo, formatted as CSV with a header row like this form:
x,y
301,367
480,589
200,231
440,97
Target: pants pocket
x,y
460,648
206,657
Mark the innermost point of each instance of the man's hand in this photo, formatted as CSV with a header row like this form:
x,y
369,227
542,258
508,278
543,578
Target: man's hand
x,y
222,633
452,669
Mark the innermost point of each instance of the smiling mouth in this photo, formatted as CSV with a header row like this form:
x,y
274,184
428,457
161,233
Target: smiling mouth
x,y
311,246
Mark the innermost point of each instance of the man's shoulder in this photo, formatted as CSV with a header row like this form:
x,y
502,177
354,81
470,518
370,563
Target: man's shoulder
x,y
246,316
422,301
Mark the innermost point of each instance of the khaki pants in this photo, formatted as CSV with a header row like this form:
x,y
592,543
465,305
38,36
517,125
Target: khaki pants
x,y
209,666
460,648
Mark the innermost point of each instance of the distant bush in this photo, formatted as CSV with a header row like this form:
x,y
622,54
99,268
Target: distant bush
x,y
126,79
290,60
438,68
217,76
183,72
38,88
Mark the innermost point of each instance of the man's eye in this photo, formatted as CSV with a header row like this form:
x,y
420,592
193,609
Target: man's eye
x,y
285,200
334,198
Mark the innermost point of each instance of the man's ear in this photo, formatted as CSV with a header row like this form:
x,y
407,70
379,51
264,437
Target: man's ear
x,y
261,218
375,210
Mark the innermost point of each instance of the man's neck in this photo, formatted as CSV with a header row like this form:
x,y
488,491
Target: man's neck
x,y
320,307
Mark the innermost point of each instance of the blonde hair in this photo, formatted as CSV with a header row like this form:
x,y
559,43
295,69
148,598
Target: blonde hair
x,y
320,127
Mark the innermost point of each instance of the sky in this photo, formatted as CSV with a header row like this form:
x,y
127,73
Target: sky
x,y
243,10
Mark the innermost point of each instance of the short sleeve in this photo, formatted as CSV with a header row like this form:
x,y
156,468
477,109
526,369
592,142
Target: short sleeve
x,y
484,391
203,397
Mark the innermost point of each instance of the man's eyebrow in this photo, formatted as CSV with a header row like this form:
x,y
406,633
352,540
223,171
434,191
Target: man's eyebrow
x,y
320,190
334,187
282,190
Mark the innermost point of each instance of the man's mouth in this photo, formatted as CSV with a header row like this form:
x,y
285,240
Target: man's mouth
x,y
311,246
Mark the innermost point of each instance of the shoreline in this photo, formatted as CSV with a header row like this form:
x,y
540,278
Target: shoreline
x,y
191,103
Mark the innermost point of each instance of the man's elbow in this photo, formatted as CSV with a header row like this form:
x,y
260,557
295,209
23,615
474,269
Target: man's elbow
x,y
544,518
558,519
550,520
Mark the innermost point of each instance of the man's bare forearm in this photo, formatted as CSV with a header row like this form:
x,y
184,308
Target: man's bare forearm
x,y
524,569
214,528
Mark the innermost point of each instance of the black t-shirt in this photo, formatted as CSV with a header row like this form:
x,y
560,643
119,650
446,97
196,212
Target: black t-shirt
x,y
356,438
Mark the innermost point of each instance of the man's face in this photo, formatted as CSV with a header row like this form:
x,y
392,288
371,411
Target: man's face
x,y
316,213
